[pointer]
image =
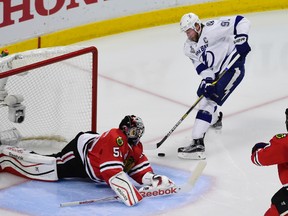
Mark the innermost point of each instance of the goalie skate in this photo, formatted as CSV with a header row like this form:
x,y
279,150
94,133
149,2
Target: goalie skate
x,y
195,151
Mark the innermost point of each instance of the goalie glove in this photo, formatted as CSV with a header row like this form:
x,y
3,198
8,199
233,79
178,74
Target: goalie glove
x,y
152,180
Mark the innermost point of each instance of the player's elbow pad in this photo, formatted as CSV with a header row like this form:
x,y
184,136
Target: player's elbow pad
x,y
126,191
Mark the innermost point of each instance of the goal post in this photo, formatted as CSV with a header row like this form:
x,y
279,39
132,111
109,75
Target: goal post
x,y
49,93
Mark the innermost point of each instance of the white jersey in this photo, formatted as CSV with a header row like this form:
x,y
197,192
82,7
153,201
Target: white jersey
x,y
212,51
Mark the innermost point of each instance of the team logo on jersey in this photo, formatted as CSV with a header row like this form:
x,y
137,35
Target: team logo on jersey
x,y
119,141
128,164
280,136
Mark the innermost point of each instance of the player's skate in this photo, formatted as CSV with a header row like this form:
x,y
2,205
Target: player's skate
x,y
218,124
195,151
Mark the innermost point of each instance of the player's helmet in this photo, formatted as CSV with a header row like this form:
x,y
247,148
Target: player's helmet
x,y
188,21
286,122
133,127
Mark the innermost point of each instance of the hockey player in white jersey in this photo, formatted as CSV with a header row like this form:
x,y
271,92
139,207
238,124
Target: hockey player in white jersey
x,y
211,46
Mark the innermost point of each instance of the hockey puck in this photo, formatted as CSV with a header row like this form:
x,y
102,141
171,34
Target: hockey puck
x,y
161,154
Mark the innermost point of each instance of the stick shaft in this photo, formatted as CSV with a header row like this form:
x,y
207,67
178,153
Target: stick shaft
x,y
179,122
74,203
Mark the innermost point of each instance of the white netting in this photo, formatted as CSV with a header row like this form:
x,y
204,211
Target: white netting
x,y
57,97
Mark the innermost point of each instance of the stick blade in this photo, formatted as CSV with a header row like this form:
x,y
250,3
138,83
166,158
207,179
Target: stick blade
x,y
197,172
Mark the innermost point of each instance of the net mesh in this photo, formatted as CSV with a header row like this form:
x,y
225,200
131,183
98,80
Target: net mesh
x,y
57,97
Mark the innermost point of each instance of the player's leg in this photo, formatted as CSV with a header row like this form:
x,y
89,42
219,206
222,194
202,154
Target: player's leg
x,y
196,150
216,122
65,164
69,162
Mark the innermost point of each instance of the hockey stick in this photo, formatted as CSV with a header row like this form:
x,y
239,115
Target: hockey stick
x,y
105,199
153,192
194,105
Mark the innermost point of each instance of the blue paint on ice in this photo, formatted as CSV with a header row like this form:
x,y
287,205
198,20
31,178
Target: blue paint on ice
x,y
38,198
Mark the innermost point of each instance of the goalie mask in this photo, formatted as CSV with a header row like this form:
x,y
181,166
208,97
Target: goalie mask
x,y
133,127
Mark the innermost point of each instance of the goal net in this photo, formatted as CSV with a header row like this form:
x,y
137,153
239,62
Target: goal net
x,y
48,94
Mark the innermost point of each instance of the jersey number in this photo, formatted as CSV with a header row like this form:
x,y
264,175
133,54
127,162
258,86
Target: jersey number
x,y
225,23
116,152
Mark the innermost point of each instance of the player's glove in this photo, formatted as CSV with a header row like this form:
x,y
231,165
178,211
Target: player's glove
x,y
257,146
156,181
207,89
241,44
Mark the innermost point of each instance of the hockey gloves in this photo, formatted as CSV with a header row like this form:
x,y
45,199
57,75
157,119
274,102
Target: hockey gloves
x,y
258,146
156,181
241,44
207,89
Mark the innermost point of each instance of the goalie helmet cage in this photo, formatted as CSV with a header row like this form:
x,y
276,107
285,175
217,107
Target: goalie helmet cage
x,y
59,88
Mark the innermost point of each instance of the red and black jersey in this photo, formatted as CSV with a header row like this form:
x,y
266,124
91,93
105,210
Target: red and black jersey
x,y
108,154
276,153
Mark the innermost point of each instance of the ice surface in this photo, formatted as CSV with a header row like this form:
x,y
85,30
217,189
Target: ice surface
x,y
145,73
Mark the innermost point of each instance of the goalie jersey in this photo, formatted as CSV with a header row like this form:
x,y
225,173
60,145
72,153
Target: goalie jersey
x,y
212,51
110,153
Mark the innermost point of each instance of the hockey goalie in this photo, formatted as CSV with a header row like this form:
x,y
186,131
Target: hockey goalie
x,y
112,158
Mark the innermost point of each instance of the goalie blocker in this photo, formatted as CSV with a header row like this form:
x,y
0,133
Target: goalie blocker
x,y
126,192
155,185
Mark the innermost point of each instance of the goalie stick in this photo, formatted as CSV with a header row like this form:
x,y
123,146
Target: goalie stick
x,y
152,147
152,192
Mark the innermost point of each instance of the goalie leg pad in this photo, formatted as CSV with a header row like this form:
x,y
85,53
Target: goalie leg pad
x,y
23,163
124,189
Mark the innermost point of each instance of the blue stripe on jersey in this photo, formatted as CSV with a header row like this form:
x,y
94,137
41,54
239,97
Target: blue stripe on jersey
x,y
237,20
201,68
